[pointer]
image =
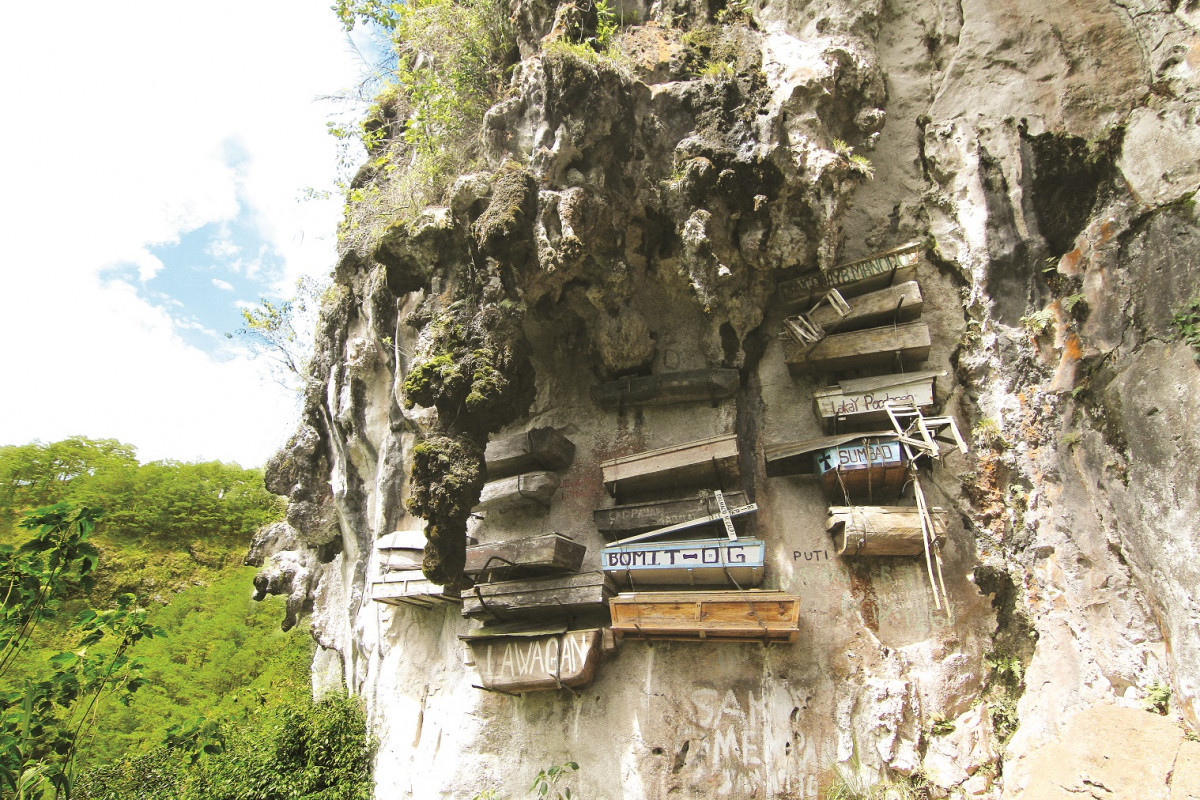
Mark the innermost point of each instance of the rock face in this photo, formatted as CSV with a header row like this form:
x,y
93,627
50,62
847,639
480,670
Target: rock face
x,y
633,215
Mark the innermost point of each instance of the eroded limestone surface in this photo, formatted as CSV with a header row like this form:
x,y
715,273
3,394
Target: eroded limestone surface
x,y
635,216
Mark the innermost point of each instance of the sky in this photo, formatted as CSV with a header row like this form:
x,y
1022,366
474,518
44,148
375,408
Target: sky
x,y
154,156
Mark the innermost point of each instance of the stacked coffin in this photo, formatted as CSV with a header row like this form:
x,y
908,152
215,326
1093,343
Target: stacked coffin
x,y
523,469
542,618
865,316
690,543
398,577
532,599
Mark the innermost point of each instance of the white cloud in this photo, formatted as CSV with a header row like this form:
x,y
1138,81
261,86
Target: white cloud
x,y
225,286
222,249
163,117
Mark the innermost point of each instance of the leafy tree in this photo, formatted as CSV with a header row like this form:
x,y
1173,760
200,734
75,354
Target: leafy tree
x,y
282,331
42,721
296,750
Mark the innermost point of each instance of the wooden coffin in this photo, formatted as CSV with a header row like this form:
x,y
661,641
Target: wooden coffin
x,y
903,346
672,387
901,302
536,449
853,277
709,462
538,597
528,489
410,587
797,458
863,401
401,550
533,555
881,530
750,616
866,467
620,521
536,660
697,562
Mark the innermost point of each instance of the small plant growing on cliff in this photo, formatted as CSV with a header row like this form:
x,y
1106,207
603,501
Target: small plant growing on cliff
x,y
1158,698
1038,322
1187,322
547,780
859,165
941,726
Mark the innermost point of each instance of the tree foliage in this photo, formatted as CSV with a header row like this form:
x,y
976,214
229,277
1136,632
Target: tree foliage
x,y
282,331
162,500
42,720
297,750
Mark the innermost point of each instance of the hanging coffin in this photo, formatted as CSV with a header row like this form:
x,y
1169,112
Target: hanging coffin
x,y
533,555
401,550
620,521
882,530
668,388
410,587
863,401
708,462
853,277
733,616
542,659
540,597
902,346
867,467
697,562
537,449
529,489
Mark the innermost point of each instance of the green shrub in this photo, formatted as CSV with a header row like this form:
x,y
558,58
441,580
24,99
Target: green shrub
x,y
1187,323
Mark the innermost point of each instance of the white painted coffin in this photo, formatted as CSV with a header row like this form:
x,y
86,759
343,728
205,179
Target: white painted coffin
x,y
695,562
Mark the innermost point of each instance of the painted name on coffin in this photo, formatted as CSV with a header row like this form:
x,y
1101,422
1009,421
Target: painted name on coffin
x,y
840,276
517,658
858,456
684,554
865,402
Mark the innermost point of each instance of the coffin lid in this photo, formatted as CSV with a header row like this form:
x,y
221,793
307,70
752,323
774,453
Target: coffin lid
x,y
883,381
514,630
775,452
401,540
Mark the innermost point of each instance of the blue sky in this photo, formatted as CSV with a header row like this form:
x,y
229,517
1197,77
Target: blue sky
x,y
152,167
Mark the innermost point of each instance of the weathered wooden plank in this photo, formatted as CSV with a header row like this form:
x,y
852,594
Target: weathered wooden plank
x,y
530,488
864,402
901,302
696,562
410,587
667,388
751,615
853,277
534,662
574,594
873,347
535,449
712,462
532,555
881,530
619,521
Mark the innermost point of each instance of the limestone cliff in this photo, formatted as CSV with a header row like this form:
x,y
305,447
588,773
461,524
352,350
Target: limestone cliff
x,y
633,213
